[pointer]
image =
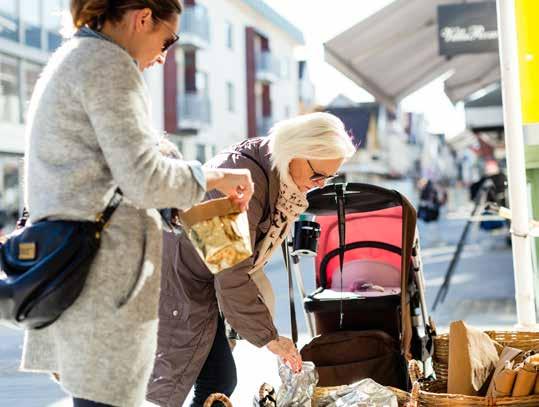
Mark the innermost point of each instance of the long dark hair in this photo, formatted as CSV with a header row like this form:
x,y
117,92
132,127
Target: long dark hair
x,y
94,13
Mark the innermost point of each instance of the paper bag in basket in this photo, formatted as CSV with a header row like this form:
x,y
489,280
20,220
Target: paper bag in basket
x,y
219,232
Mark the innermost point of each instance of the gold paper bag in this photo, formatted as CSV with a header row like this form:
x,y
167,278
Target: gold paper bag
x,y
219,232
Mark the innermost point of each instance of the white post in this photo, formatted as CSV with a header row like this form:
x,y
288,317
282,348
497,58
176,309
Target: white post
x,y
514,141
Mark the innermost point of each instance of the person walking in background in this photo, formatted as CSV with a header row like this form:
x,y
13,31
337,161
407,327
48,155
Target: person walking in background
x,y
497,193
493,184
299,154
89,132
430,201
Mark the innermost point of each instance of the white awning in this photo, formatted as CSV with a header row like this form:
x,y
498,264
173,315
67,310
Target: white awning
x,y
394,52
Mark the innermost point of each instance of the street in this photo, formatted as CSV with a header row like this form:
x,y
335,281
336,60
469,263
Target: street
x,y
481,293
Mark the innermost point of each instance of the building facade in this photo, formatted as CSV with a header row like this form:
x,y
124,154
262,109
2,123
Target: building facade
x,y
232,75
29,33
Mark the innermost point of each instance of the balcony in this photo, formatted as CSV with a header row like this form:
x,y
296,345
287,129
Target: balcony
x,y
195,27
263,125
268,68
9,27
194,112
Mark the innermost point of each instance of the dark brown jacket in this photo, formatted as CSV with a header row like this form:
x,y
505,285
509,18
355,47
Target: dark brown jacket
x,y
190,294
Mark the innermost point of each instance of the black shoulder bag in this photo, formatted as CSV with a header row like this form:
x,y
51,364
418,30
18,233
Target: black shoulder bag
x,y
44,267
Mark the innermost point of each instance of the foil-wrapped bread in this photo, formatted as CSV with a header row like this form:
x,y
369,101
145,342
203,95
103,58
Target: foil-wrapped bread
x,y
219,232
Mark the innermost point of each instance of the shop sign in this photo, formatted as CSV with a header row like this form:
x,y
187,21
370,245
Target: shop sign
x,y
467,28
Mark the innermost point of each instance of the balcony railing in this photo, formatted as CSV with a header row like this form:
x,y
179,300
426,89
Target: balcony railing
x,y
194,111
195,27
9,27
263,125
268,68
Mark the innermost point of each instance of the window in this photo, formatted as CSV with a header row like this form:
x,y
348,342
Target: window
x,y
30,75
10,194
230,96
52,21
229,35
9,90
213,150
9,23
201,153
287,112
30,16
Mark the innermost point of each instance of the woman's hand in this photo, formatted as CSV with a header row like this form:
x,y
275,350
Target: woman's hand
x,y
286,350
235,183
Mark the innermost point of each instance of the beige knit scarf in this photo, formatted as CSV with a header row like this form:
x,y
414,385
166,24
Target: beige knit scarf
x,y
291,202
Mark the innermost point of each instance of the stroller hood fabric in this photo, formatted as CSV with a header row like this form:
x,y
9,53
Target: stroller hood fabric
x,y
373,214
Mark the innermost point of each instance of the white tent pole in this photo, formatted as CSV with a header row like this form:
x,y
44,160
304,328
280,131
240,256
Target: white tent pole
x,y
514,141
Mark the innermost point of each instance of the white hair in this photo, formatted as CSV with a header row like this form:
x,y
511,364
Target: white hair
x,y
314,136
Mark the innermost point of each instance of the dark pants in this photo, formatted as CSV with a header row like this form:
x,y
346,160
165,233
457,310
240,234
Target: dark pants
x,y
218,375
88,403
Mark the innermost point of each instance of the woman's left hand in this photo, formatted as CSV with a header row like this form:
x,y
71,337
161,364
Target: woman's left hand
x,y
286,350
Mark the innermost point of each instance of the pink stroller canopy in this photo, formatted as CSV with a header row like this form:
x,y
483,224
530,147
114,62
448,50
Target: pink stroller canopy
x,y
376,263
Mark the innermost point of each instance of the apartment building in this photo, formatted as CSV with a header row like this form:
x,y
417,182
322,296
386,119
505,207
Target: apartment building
x,y
232,75
29,33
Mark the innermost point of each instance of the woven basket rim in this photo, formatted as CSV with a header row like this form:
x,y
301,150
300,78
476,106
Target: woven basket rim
x,y
532,397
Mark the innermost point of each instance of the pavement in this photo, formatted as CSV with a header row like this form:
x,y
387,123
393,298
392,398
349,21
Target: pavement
x,y
481,293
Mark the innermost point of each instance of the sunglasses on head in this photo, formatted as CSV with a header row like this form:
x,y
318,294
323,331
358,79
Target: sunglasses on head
x,y
317,177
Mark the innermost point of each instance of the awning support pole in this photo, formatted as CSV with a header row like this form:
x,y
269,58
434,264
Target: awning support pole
x,y
514,140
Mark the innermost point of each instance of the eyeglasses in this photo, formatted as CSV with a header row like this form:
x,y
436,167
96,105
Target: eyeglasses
x,y
169,42
317,177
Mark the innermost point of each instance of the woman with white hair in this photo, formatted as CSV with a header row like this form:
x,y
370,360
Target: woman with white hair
x,y
300,154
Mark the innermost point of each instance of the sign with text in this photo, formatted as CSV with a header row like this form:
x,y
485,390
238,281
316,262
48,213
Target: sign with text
x,y
467,28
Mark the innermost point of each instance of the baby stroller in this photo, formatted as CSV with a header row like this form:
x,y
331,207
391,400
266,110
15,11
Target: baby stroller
x,y
368,312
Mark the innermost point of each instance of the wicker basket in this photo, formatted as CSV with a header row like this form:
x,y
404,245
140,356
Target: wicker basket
x,y
518,340
434,393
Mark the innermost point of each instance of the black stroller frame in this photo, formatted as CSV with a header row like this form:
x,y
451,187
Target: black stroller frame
x,y
416,329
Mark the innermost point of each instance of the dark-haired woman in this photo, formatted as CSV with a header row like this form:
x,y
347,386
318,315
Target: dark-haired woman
x,y
88,133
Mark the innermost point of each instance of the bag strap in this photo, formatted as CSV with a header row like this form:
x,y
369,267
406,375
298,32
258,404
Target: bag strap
x,y
103,218
293,320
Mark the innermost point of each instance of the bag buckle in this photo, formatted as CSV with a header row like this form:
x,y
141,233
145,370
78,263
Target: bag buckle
x,y
27,251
